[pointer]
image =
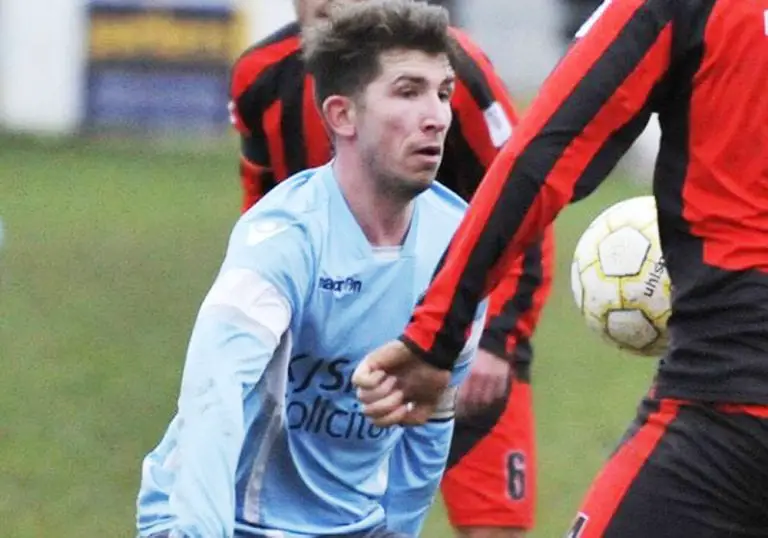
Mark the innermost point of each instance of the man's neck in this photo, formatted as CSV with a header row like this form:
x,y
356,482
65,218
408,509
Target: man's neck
x,y
384,218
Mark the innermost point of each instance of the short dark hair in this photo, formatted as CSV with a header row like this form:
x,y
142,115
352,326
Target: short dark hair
x,y
343,52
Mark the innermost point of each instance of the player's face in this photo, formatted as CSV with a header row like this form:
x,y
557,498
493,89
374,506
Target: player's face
x,y
403,117
309,11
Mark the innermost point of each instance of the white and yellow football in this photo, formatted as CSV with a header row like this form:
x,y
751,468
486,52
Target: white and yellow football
x,y
619,279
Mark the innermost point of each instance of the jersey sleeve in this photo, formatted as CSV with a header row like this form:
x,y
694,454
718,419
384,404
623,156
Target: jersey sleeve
x,y
483,108
516,303
467,354
249,106
485,119
257,295
589,111
257,176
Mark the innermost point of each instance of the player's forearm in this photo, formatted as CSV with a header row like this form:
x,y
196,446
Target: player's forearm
x,y
257,176
510,211
587,114
516,303
482,99
255,180
209,446
225,359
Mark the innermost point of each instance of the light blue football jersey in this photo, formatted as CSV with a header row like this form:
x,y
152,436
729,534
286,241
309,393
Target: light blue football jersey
x,y
269,438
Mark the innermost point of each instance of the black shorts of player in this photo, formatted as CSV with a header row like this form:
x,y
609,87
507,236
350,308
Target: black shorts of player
x,y
683,469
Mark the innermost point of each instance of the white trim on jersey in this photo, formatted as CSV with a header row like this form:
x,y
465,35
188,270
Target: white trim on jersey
x,y
256,298
269,313
276,378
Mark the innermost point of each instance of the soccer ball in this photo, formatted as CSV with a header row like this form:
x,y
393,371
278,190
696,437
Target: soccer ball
x,y
619,279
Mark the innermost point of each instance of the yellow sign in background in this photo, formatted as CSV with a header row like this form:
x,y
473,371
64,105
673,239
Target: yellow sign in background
x,y
161,67
165,35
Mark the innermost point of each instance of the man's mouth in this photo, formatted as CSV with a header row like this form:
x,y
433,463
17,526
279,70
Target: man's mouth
x,y
430,151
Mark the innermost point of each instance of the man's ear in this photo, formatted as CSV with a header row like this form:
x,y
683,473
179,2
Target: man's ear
x,y
339,113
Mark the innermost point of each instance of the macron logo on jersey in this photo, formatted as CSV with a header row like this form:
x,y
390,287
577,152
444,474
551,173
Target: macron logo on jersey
x,y
340,287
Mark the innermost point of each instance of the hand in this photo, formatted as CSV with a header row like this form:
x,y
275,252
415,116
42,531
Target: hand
x,y
397,387
487,382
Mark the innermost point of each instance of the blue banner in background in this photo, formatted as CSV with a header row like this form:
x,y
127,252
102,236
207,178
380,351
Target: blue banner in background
x,y
161,65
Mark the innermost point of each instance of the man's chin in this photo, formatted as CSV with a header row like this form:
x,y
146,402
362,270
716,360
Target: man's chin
x,y
410,188
425,177
419,184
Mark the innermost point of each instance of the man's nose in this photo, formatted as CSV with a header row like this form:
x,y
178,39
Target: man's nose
x,y
437,116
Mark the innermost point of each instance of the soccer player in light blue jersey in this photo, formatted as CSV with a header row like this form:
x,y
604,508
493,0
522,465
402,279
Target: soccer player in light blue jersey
x,y
269,439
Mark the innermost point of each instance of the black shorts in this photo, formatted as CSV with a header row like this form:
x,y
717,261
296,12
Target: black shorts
x,y
683,470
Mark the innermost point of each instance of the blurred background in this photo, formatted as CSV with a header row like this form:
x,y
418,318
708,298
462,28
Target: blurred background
x,y
118,188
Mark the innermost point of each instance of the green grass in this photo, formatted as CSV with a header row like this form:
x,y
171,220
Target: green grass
x,y
109,250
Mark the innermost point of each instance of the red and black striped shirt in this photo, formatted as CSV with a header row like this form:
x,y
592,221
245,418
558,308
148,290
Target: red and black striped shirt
x,y
702,65
282,133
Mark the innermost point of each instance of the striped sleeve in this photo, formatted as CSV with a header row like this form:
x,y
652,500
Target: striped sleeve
x,y
253,107
483,108
515,305
253,75
484,118
589,111
256,175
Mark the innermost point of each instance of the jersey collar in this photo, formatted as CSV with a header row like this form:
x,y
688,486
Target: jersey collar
x,y
342,217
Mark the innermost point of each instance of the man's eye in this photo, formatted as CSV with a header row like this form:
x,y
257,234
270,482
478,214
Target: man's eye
x,y
445,95
408,93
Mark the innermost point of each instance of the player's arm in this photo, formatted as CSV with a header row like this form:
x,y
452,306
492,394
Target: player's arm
x,y
515,305
418,460
237,331
485,118
256,174
247,107
484,115
589,111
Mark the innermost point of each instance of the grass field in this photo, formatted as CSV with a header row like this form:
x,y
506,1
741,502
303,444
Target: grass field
x,y
109,250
